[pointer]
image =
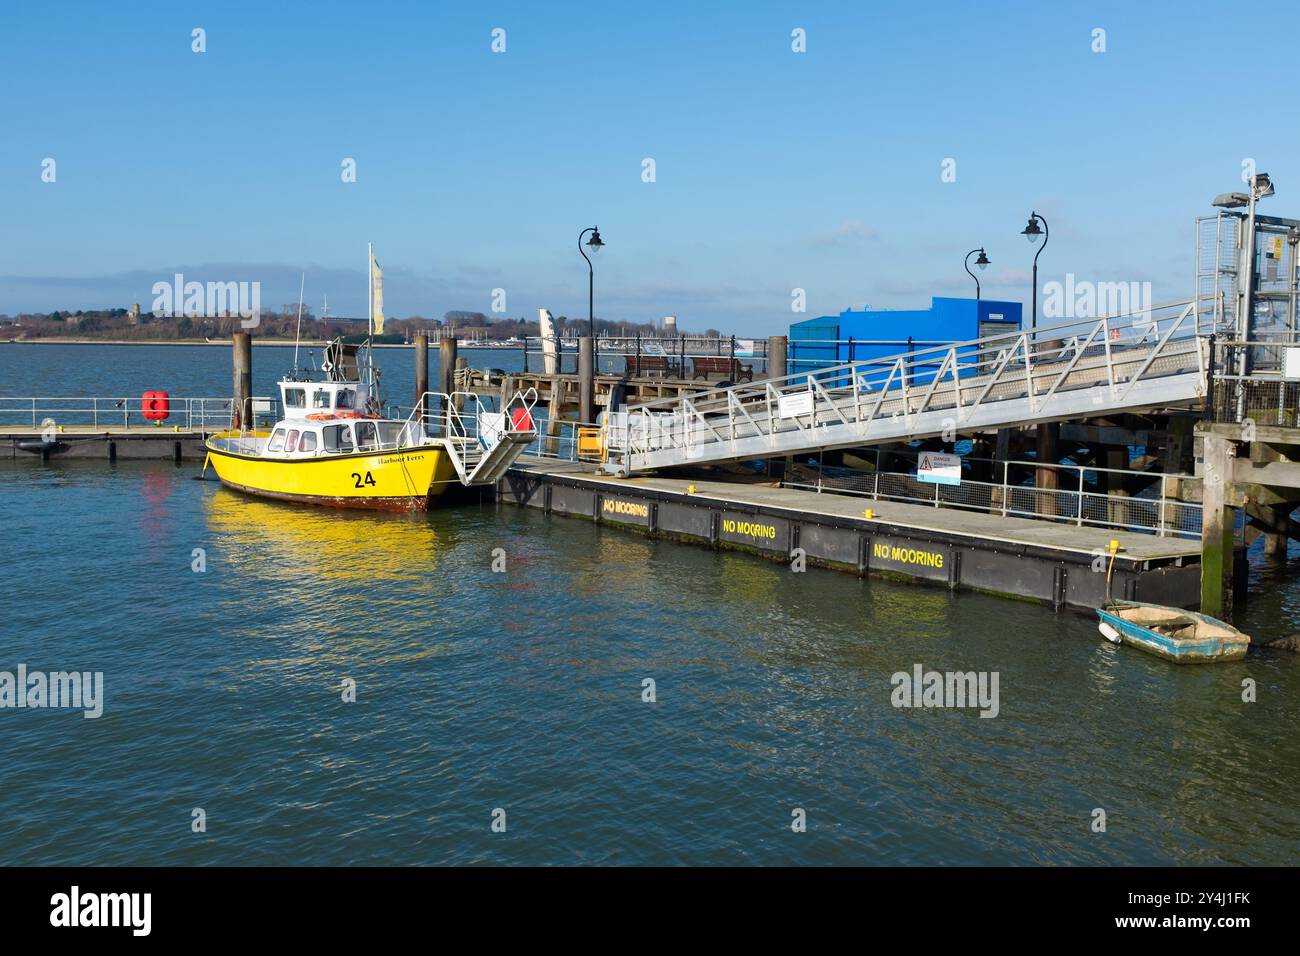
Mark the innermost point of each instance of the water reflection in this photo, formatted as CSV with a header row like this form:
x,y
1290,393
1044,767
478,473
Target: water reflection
x,y
307,545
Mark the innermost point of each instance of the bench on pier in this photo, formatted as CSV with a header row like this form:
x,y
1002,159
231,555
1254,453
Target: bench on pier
x,y
647,364
723,365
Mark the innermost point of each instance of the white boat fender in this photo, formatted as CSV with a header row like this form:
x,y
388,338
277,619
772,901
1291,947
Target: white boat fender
x,y
1108,632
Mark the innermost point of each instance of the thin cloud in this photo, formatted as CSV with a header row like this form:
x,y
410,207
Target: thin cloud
x,y
848,233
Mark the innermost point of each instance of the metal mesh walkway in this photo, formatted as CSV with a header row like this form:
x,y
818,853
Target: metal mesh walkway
x,y
1155,359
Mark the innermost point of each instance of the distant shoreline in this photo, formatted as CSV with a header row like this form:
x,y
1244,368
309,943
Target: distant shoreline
x,y
315,343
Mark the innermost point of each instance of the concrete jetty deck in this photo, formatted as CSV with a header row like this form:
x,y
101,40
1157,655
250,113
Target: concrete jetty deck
x,y
1049,561
106,442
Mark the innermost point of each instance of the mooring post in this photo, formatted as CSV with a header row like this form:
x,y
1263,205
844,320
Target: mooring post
x,y
554,417
776,348
1046,452
1117,462
461,366
586,380
446,375
242,382
1217,529
422,375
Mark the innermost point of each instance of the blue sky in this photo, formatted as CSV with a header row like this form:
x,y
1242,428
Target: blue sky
x,y
775,170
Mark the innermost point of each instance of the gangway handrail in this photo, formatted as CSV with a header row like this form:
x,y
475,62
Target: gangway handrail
x,y
1024,373
463,433
928,355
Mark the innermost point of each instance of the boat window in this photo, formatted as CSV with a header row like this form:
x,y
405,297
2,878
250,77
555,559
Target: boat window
x,y
347,398
365,436
320,398
295,398
291,443
308,442
338,438
390,434
277,440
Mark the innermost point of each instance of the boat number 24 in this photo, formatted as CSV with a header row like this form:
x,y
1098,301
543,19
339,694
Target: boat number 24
x,y
359,482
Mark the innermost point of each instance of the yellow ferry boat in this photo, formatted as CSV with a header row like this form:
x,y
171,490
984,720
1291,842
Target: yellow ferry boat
x,y
333,448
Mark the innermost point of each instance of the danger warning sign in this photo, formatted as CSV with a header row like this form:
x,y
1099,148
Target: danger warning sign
x,y
938,469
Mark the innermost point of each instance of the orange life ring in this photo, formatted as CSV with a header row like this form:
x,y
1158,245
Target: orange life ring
x,y
332,416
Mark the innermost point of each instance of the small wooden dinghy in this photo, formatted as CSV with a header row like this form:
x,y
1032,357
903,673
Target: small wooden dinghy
x,y
1184,637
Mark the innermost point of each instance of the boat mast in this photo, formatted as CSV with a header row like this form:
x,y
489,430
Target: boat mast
x,y
302,284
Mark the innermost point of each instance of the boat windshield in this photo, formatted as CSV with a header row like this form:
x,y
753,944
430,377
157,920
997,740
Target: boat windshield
x,y
337,438
393,434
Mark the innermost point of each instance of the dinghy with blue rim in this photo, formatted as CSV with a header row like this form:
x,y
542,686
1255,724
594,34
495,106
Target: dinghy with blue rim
x,y
1184,637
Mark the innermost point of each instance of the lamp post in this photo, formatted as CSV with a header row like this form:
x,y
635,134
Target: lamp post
x,y
1033,234
595,244
982,263
1045,448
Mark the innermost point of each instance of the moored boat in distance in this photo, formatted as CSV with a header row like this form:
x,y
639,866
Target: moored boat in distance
x,y
1184,637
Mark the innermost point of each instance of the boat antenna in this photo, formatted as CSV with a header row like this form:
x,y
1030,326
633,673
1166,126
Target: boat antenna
x,y
302,284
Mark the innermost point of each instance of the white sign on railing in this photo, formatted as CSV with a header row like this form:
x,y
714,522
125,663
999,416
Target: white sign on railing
x,y
938,469
1291,364
792,406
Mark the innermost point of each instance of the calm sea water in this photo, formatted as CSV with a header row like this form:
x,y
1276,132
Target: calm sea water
x,y
523,690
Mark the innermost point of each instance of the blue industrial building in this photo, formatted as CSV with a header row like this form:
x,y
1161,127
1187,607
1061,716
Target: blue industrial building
x,y
860,335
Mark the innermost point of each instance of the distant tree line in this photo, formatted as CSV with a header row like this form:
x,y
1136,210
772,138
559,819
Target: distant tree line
x,y
121,324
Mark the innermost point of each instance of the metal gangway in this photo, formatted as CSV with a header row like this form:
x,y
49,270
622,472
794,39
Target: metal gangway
x,y
482,444
1157,358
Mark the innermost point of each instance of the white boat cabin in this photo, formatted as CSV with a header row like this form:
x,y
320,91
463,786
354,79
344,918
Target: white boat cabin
x,y
328,418
322,398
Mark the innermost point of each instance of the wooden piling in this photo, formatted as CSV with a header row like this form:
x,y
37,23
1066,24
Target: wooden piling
x,y
1217,527
461,366
1116,460
422,374
446,368
1047,479
586,380
242,381
776,349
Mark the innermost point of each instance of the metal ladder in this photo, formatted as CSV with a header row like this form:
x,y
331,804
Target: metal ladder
x,y
482,444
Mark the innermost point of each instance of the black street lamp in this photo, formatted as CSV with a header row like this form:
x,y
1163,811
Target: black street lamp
x,y
982,263
1033,234
595,244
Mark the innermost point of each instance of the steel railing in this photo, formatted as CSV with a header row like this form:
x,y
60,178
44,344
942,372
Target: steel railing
x,y
1249,381
193,414
1007,489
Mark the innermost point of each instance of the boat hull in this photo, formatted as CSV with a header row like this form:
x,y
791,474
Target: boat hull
x,y
402,479
1200,650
